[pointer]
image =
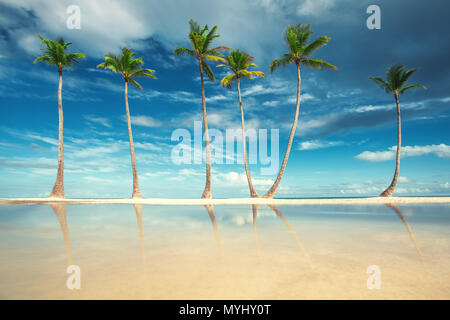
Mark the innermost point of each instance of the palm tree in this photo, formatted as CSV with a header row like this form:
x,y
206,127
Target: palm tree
x,y
129,68
296,37
238,63
55,54
201,41
395,82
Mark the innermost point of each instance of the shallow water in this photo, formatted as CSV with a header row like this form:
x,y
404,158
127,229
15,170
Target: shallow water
x,y
225,252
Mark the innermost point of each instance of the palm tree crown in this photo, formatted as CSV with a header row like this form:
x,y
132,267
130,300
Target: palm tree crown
x,y
201,41
297,36
127,66
55,53
396,78
238,63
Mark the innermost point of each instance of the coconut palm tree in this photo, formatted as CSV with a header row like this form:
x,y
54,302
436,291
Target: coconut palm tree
x,y
238,63
201,41
55,53
297,37
396,78
130,68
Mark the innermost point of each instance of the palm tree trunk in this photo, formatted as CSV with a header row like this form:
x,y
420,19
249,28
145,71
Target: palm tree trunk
x,y
136,191
58,188
207,191
390,190
274,187
253,193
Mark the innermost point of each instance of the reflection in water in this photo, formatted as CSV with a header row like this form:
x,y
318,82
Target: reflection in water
x,y
60,211
344,245
138,210
293,233
408,228
210,210
255,229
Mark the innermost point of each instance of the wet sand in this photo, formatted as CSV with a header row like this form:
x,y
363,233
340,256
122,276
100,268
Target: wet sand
x,y
231,201
225,252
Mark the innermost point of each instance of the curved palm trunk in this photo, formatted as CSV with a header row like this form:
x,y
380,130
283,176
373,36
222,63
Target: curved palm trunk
x,y
136,191
253,193
275,185
207,191
58,188
390,190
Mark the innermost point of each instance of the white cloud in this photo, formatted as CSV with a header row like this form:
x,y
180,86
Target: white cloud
x,y
145,121
441,150
99,120
96,179
122,24
314,7
316,144
240,179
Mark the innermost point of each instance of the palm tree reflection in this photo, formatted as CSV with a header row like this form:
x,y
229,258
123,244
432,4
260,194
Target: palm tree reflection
x,y
408,228
60,210
255,229
293,233
138,210
210,210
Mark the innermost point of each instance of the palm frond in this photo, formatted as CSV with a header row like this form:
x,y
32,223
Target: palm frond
x,y
316,44
227,81
316,63
208,71
179,51
214,58
384,85
402,90
278,63
54,53
135,83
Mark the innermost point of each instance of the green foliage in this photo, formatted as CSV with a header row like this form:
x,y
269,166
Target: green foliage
x,y
55,53
238,62
297,37
396,79
201,40
128,66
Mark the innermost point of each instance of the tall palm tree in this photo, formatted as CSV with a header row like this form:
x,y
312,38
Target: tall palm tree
x,y
55,53
201,39
238,63
129,68
297,37
396,78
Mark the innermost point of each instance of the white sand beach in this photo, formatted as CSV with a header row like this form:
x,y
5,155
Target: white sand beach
x,y
231,201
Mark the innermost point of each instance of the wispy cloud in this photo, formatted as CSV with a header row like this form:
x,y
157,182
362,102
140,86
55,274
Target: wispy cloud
x,y
145,121
94,119
317,144
441,150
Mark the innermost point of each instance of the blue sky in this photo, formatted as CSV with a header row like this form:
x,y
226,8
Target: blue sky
x,y
346,128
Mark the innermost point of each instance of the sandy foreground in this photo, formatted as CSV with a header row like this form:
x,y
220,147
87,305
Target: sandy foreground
x,y
231,201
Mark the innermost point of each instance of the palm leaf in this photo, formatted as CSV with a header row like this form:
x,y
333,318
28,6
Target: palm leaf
x,y
316,63
412,86
278,63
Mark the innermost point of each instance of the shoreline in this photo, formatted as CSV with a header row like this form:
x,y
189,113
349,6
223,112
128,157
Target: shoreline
x,y
230,201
